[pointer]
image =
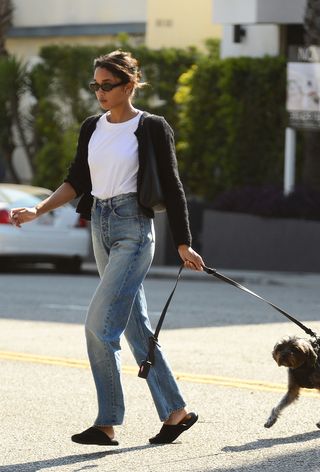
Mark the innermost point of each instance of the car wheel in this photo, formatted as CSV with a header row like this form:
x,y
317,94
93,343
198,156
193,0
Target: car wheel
x,y
69,266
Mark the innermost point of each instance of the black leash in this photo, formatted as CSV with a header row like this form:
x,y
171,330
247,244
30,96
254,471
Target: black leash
x,y
153,340
222,277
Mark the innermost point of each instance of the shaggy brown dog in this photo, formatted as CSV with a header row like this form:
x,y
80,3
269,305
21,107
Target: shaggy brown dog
x,y
300,356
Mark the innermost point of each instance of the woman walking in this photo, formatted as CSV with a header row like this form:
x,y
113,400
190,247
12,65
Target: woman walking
x,y
107,173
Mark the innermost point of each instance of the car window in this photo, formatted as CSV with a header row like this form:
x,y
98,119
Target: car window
x,y
18,198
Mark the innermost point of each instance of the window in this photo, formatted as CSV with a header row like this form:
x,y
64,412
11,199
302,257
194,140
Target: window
x,y
164,23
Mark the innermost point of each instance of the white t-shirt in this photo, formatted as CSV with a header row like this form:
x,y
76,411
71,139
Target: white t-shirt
x,y
113,157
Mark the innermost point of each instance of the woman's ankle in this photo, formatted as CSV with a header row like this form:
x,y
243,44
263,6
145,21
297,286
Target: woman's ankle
x,y
176,417
108,430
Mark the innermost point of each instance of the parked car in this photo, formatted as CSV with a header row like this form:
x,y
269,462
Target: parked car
x,y
60,237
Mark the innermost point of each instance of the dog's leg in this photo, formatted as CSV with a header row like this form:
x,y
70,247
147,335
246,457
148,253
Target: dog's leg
x,y
291,395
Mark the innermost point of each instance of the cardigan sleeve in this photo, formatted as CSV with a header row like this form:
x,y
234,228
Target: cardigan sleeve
x,y
174,194
78,175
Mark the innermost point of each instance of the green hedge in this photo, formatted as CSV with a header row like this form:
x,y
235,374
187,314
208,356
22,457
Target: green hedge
x,y
232,121
60,85
228,115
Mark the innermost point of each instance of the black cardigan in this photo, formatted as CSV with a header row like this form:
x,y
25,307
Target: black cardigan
x,y
163,141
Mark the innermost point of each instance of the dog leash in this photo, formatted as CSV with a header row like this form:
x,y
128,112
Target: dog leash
x,y
153,340
229,281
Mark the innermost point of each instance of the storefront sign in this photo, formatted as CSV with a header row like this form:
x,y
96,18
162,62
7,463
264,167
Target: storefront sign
x,y
303,88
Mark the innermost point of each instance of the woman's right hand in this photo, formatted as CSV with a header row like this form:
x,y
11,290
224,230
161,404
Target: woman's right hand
x,y
18,216
64,194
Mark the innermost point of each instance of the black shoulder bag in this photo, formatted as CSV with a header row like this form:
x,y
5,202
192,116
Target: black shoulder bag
x,y
150,193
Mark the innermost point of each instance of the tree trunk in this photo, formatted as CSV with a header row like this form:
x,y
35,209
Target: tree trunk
x,y
16,179
6,11
16,120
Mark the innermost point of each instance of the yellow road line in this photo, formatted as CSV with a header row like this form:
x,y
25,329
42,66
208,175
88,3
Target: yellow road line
x,y
131,370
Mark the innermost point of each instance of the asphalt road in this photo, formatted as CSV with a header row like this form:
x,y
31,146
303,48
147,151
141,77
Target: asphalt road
x,y
219,342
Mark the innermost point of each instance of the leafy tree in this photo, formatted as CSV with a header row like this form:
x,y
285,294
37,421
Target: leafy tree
x,y
71,68
6,138
60,85
13,85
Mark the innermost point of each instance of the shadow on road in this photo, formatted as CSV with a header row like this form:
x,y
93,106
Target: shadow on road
x,y
266,443
35,466
297,462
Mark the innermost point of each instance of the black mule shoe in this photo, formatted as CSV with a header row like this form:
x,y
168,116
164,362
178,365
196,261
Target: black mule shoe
x,y
95,436
169,433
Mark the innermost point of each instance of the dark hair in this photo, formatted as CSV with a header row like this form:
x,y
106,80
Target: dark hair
x,y
122,65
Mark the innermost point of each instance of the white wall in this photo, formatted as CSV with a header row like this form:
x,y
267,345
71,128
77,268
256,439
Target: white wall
x,y
234,11
258,11
61,12
260,40
261,20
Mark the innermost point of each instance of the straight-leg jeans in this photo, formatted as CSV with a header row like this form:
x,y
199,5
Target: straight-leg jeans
x,y
123,243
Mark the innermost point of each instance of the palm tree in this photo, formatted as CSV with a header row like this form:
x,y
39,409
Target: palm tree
x,y
6,11
6,144
311,170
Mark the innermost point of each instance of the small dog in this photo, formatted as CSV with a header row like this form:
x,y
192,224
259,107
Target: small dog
x,y
302,359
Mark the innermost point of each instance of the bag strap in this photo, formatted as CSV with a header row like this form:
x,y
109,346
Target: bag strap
x,y
222,277
153,340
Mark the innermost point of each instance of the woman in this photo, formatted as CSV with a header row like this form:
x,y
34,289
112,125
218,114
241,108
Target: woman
x,y
107,173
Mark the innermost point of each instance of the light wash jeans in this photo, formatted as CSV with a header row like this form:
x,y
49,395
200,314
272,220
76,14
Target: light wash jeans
x,y
123,243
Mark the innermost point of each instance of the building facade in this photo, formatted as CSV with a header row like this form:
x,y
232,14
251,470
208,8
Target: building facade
x,y
73,22
180,23
158,24
259,27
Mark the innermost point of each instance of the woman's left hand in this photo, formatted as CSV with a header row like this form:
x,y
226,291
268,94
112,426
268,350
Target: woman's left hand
x,y
192,260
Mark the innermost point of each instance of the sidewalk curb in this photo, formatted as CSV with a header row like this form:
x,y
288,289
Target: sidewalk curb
x,y
240,276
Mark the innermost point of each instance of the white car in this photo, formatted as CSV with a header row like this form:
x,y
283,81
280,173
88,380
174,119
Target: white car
x,y
60,237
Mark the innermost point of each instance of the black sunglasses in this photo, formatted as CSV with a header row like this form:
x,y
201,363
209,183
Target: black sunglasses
x,y
106,86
